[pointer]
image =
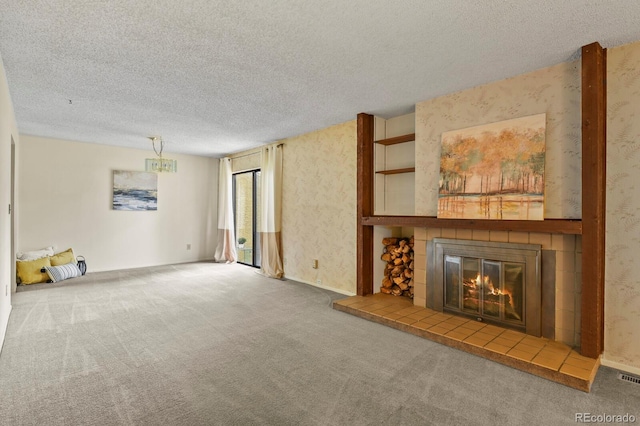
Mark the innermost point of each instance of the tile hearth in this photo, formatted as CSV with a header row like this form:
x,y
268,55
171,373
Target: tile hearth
x,y
539,356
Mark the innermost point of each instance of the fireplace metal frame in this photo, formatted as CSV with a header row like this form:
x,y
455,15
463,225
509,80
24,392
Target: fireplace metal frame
x,y
528,254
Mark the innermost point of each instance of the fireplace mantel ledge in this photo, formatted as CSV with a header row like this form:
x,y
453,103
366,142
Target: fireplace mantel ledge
x,y
553,226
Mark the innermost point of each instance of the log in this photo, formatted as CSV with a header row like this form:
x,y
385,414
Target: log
x,y
386,282
397,270
395,290
403,286
385,290
397,261
386,257
390,240
398,280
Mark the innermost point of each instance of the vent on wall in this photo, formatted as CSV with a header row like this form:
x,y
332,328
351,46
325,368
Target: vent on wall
x,y
629,378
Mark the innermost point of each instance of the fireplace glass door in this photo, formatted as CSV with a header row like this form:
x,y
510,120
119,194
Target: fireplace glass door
x,y
485,289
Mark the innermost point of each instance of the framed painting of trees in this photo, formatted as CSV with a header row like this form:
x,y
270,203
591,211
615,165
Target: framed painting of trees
x,y
494,171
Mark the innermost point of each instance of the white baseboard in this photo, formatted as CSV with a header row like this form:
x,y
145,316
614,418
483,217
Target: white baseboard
x,y
324,287
618,366
3,327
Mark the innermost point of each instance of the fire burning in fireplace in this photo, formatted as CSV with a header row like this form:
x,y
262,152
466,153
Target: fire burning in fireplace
x,y
503,299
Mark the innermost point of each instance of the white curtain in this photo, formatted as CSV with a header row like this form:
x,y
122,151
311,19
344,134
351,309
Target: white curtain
x,y
226,248
271,212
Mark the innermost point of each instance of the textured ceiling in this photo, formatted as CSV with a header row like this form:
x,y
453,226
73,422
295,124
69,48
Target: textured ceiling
x,y
216,77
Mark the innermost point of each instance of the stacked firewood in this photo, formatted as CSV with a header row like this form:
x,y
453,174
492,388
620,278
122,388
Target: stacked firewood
x,y
398,273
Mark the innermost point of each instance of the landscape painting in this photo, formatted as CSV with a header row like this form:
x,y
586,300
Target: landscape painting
x,y
135,190
494,171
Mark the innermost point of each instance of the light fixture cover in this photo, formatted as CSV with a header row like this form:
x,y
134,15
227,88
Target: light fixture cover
x,y
161,165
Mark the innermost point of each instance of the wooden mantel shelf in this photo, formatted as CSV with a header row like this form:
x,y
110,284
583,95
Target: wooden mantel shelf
x,y
555,226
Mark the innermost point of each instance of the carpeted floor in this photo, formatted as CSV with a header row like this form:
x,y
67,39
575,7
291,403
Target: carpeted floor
x,y
216,344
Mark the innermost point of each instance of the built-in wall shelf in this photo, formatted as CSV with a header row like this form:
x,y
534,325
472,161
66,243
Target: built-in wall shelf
x,y
397,171
398,139
555,226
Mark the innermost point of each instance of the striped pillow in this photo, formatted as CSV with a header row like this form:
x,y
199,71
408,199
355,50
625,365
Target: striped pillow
x,y
63,272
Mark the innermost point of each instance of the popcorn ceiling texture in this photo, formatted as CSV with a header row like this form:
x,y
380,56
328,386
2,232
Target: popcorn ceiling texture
x,y
214,77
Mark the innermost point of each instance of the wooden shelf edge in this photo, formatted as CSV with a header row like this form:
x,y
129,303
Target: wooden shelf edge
x,y
556,226
397,171
398,139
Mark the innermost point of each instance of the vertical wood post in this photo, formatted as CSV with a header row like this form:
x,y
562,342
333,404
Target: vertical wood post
x,y
364,178
594,114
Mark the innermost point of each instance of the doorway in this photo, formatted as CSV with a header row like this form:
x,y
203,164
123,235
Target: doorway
x,y
12,212
246,199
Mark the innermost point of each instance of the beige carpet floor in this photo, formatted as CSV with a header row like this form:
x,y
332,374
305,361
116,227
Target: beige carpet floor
x,y
216,344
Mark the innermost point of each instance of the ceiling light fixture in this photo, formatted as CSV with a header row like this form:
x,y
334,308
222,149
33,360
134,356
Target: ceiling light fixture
x,y
160,164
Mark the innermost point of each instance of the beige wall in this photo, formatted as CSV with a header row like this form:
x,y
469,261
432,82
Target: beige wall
x,y
8,130
319,207
66,201
622,273
247,161
554,91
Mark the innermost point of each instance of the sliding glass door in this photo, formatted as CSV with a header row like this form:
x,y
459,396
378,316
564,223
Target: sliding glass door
x,y
246,198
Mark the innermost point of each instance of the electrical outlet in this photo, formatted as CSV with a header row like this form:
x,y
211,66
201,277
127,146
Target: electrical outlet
x,y
188,246
314,264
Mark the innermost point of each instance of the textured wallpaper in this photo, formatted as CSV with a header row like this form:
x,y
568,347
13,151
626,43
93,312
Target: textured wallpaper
x,y
319,207
554,91
622,269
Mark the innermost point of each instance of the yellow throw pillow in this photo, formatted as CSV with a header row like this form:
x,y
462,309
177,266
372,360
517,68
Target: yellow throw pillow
x,y
28,271
63,258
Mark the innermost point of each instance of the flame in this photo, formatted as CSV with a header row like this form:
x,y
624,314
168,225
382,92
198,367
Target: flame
x,y
485,282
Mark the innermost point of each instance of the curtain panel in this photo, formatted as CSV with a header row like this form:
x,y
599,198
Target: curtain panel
x,y
271,212
226,248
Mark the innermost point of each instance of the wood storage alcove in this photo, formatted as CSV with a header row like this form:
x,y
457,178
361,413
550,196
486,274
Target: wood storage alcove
x,y
591,227
398,271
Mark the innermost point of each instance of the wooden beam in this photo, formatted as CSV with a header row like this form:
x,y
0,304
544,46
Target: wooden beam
x,y
594,98
364,249
552,226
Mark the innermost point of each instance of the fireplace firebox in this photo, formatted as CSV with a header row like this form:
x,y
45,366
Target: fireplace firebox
x,y
492,282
